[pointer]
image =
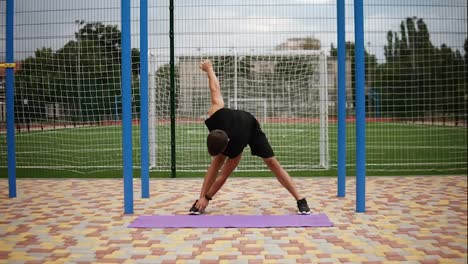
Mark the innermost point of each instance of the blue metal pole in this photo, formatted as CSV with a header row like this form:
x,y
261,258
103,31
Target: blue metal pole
x,y
360,108
341,98
10,97
144,99
127,107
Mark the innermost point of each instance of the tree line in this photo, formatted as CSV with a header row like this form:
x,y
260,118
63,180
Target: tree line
x,y
417,80
80,82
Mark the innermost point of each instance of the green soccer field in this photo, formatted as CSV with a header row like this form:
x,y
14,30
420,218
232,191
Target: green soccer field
x,y
392,149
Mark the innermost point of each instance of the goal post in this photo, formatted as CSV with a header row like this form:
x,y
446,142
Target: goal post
x,y
323,93
152,118
287,90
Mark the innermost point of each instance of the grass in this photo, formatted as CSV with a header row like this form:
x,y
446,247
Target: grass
x,y
391,149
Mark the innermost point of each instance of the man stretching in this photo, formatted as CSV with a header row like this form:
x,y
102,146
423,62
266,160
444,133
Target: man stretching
x,y
230,132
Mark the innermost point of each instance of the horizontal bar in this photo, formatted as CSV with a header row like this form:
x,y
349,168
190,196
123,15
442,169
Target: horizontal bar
x,y
7,65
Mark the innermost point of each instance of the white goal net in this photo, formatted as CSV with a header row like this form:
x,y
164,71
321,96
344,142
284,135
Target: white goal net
x,y
285,90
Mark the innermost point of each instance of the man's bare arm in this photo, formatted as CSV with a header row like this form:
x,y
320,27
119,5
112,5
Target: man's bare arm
x,y
217,101
210,178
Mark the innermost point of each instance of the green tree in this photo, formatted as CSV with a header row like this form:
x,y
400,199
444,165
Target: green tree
x,y
419,80
83,76
32,91
163,89
465,47
369,60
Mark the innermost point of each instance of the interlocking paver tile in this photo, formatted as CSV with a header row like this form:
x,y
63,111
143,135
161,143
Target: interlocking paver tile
x,y
420,219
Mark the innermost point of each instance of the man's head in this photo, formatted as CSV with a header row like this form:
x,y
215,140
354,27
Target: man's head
x,y
217,141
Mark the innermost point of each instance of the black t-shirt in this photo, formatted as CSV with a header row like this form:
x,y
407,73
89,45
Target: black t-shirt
x,y
239,126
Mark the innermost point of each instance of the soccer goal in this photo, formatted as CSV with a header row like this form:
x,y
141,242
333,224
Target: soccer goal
x,y
285,90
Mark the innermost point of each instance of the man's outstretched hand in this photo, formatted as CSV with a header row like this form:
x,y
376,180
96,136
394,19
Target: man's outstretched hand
x,y
202,204
206,65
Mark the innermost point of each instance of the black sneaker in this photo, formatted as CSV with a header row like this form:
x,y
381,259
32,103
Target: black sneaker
x,y
302,207
194,210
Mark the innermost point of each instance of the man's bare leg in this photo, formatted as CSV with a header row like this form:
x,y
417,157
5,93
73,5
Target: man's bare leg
x,y
282,176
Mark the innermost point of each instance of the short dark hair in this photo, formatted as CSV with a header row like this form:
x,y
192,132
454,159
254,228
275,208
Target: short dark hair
x,y
217,141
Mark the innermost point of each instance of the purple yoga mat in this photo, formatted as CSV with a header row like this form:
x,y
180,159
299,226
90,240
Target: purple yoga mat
x,y
206,221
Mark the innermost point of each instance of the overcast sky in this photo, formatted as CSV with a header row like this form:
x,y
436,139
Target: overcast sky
x,y
223,24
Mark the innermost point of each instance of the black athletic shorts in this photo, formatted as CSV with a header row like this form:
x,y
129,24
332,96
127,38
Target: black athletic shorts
x,y
242,129
258,143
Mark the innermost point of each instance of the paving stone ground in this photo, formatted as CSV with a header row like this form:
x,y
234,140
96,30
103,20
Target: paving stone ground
x,y
408,220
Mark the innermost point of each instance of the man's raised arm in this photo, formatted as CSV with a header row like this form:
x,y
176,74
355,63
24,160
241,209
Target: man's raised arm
x,y
217,101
